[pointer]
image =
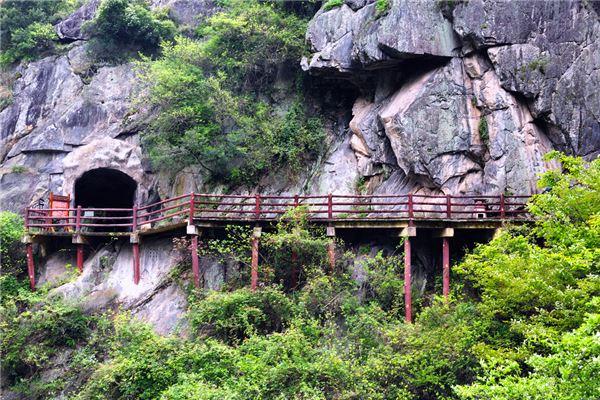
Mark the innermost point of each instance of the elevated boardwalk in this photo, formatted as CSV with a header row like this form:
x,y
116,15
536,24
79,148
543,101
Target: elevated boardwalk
x,y
194,212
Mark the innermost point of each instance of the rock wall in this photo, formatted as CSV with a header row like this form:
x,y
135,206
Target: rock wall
x,y
468,100
420,97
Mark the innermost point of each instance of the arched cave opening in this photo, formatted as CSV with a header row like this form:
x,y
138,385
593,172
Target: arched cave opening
x,y
106,188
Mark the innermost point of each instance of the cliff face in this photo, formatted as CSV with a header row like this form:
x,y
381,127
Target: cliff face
x,y
467,99
428,98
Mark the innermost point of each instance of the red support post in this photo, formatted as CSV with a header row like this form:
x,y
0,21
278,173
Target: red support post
x,y
331,253
195,262
446,267
136,262
448,206
78,219
30,265
502,206
192,211
407,280
257,206
80,257
330,206
254,273
410,209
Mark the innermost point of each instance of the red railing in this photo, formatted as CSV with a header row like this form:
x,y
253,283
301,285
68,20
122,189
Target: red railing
x,y
242,208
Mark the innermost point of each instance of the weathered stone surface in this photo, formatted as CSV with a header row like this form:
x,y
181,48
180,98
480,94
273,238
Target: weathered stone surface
x,y
343,39
57,267
187,12
71,28
549,53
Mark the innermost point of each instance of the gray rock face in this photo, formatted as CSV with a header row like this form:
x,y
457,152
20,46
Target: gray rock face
x,y
71,28
358,36
521,79
549,53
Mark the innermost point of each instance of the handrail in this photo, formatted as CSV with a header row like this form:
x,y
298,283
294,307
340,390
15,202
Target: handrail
x,y
329,207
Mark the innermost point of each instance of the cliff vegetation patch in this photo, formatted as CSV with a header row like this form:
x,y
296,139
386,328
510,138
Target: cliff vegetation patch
x,y
222,102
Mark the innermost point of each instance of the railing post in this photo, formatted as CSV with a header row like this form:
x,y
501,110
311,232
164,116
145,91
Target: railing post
x,y
448,206
329,206
502,206
410,209
192,208
27,219
296,202
257,206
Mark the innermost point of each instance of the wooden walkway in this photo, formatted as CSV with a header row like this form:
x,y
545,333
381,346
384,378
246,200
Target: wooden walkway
x,y
405,213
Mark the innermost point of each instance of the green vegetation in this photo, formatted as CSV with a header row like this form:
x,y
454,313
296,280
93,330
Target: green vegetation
x,y
523,322
18,169
215,92
26,30
539,63
124,27
11,253
382,6
483,129
331,4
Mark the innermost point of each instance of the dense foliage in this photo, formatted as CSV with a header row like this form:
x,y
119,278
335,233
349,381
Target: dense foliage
x,y
524,324
26,27
12,256
125,26
215,96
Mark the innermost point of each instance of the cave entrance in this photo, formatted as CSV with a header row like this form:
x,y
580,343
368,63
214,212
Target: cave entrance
x,y
105,188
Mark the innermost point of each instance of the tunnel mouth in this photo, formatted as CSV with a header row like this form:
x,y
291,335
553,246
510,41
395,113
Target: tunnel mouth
x,y
106,188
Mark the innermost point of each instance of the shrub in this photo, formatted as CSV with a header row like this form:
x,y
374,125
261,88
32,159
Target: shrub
x,y
331,4
382,6
233,317
483,129
26,28
31,337
124,26
12,255
213,98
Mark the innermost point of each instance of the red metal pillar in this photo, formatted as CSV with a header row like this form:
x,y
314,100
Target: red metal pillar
x,y
136,262
446,267
80,257
502,206
30,265
195,262
331,254
407,280
448,206
254,277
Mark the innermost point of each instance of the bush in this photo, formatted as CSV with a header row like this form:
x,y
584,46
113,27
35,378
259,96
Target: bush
x,y
26,28
233,317
331,4
12,255
31,336
124,26
213,96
